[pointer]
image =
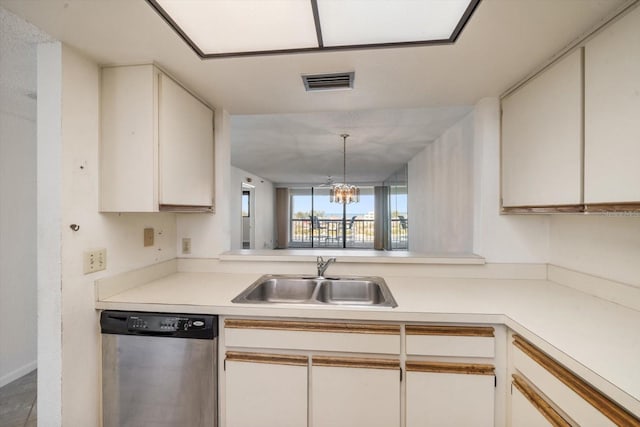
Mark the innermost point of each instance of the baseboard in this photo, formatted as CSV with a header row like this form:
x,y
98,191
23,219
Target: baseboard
x,y
610,290
17,373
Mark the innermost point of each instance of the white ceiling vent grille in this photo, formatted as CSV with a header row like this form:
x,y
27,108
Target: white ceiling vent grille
x,y
332,81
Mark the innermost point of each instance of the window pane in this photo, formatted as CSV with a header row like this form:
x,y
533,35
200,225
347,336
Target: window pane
x,y
245,204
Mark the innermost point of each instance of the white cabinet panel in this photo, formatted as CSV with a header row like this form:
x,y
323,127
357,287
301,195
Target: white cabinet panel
x,y
612,113
186,147
449,400
348,397
571,403
266,395
542,138
318,336
156,144
524,414
444,345
127,166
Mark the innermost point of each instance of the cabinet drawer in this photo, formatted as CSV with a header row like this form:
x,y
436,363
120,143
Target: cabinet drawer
x,y
455,341
579,400
313,336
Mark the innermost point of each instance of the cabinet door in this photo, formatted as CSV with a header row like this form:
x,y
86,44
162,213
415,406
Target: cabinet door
x,y
530,409
185,147
349,392
446,399
612,112
128,139
524,414
266,390
542,138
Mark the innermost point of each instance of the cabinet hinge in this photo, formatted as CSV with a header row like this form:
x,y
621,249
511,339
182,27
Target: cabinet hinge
x,y
224,365
495,381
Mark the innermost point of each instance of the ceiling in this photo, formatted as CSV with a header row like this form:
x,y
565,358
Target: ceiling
x,y
503,41
403,98
307,147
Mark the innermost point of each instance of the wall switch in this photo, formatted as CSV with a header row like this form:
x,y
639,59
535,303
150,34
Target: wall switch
x,y
186,245
94,260
148,237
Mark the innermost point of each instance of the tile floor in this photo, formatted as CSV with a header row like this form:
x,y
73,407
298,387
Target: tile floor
x,y
18,402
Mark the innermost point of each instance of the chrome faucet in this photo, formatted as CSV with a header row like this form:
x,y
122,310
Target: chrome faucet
x,y
323,265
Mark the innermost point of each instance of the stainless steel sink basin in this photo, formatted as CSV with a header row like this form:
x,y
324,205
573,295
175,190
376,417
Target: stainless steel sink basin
x,y
294,290
346,290
355,291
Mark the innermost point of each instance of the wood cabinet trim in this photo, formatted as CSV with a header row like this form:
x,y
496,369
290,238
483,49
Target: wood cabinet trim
x,y
353,362
543,209
450,368
268,358
461,331
606,406
185,208
286,325
612,207
539,402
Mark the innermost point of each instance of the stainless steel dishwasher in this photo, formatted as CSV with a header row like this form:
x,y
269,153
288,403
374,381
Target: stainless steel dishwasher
x,y
159,369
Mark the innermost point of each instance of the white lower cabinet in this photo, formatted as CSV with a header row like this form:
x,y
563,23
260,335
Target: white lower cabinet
x,y
281,373
266,390
447,399
360,394
524,414
530,409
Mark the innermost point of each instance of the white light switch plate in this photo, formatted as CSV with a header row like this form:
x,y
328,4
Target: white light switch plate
x,y
95,260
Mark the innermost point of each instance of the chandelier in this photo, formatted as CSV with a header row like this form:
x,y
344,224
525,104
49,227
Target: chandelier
x,y
344,193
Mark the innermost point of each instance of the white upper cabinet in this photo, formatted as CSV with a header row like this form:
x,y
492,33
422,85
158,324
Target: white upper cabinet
x,y
542,138
156,145
612,113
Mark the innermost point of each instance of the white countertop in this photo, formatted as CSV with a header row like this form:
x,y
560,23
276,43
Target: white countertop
x,y
598,339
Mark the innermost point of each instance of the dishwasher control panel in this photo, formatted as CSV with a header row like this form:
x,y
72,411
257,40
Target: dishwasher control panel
x,y
163,324
160,324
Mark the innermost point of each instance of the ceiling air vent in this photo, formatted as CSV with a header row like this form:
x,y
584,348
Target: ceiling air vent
x,y
332,81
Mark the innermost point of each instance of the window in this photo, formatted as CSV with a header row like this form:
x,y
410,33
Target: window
x,y
246,204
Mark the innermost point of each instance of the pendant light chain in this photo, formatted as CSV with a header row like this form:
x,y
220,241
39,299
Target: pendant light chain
x,y
344,193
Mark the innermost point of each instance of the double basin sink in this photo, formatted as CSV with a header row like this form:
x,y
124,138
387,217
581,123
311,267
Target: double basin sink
x,y
344,290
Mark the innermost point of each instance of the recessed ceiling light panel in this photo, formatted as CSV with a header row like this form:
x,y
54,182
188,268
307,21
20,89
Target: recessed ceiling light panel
x,y
365,22
223,28
227,26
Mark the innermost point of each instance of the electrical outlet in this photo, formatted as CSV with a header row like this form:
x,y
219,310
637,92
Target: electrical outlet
x,y
186,245
148,237
95,260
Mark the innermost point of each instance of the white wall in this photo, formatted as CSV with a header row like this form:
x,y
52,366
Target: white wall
x,y
454,196
604,246
500,238
68,339
263,209
211,233
18,279
441,192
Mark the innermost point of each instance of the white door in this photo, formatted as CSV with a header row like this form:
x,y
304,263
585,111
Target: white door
x,y
542,138
266,394
612,113
437,399
185,147
524,414
354,396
